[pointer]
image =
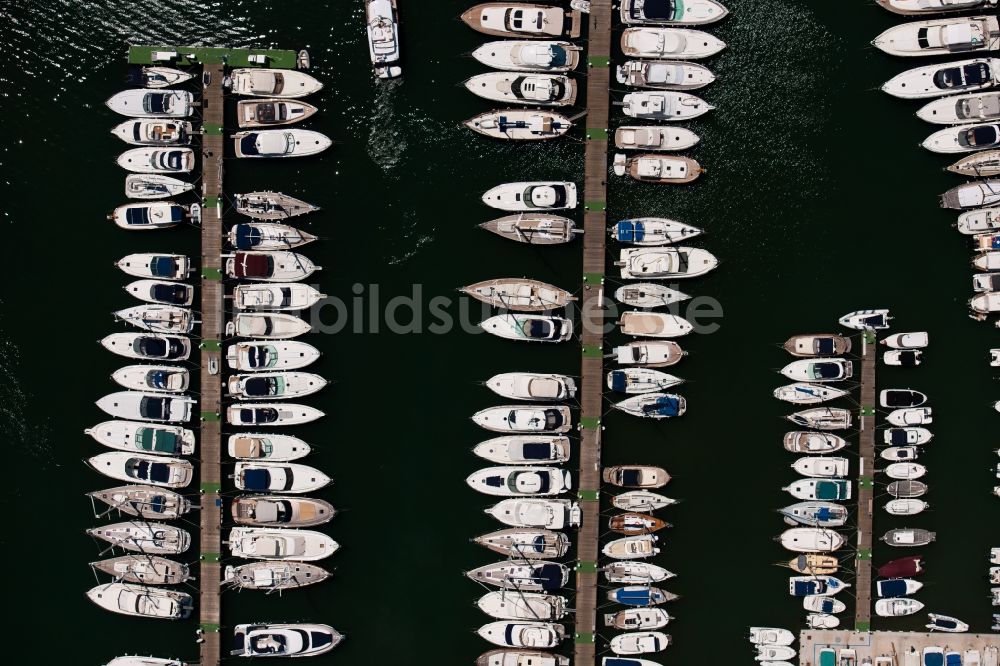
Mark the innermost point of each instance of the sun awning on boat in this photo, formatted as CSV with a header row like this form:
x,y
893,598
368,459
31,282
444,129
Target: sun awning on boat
x,y
256,479
630,232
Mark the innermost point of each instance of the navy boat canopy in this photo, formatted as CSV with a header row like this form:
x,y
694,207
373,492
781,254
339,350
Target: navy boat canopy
x,y
892,588
825,345
536,451
619,380
163,267
247,237
628,231
256,479
248,144
631,477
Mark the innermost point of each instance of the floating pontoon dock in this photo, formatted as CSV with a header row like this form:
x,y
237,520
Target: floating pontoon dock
x,y
866,471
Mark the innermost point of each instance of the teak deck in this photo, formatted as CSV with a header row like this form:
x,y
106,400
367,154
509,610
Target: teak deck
x,y
866,471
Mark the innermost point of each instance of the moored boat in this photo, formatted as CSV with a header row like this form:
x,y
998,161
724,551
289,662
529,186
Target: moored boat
x,y
158,76
280,83
920,7
145,103
652,231
268,543
279,296
520,125
640,596
863,320
641,323
274,143
153,438
907,489
671,12
640,500
635,476
156,266
648,295
520,481
804,441
522,19
270,448
144,569
278,477
273,206
822,418
270,414
554,514
665,263
664,105
536,89
534,229
815,513
271,112
267,236
682,43
649,353
529,327
817,344
654,168
628,571
976,194
144,537
524,449
956,109
532,195
154,186
820,489
811,540
802,393
944,79
664,74
635,523
654,405
640,380
160,471
942,36
273,385
637,618
142,601
897,607
280,511
158,318
519,294
154,132
526,576
652,137
273,575
908,538
519,543
157,160
258,356
284,640
529,56
266,326
518,605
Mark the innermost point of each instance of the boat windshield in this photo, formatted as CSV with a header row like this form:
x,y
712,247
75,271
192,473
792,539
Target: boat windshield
x,y
154,408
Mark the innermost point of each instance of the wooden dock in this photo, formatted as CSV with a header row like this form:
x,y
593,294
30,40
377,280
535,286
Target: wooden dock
x,y
592,321
866,471
895,645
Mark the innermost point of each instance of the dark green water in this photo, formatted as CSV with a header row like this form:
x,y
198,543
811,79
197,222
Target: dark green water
x,y
817,200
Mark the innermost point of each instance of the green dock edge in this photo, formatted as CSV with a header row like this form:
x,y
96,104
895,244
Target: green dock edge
x,y
590,422
588,495
209,628
187,56
863,627
598,61
584,638
596,133
595,206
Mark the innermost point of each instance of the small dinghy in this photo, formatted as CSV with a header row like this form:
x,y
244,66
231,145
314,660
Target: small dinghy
x,y
652,231
144,103
276,296
258,356
897,607
528,418
519,294
270,414
814,564
640,596
902,357
818,344
821,586
158,77
144,570
908,538
523,634
897,587
803,441
154,186
275,143
907,489
979,221
816,513
143,537
640,323
635,476
524,56
918,7
654,405
280,511
154,132
640,500
944,36
268,543
520,125
530,328
635,572
155,439
904,567
142,601
169,378
649,353
275,266
900,453
976,194
144,501
554,514
524,449
637,618
770,636
944,79
267,326
648,42
272,576
155,215
896,398
820,489
520,543
159,471
281,83
947,624
822,418
522,576
802,393
520,481
964,139
689,12
523,606
271,112
158,318
665,263
773,653
521,88
822,621
653,168
273,385
631,547
278,477
140,406
265,236
905,470
271,206
640,380
864,320
533,229
910,417
819,370
532,386
283,640
157,160
666,105
522,19
648,295
639,642
824,605
664,74
532,195
810,540
156,266
905,507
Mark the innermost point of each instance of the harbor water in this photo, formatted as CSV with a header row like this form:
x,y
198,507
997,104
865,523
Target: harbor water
x,y
817,200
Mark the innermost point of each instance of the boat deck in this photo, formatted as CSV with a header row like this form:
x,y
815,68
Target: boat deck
x,y
201,55
592,308
866,490
869,645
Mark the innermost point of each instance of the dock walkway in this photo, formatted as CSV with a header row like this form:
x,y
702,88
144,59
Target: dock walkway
x,y
866,471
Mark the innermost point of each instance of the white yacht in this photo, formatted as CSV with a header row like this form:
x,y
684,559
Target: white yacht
x,y
521,481
680,43
921,7
282,385
270,575
145,103
652,231
267,326
271,112
648,295
267,448
143,377
520,294
863,320
984,164
805,441
524,418
665,105
534,229
914,416
944,79
640,380
672,12
985,303
279,143
141,406
274,477
640,500
819,370
156,266
524,449
987,261
154,215
649,353
641,323
897,607
979,221
523,19
632,572
382,26
639,642
154,132
524,88
905,470
914,340
529,327
148,347
262,356
154,186
267,236
666,263
820,489
270,414
654,168
147,502
944,36
280,83
654,405
257,543
532,386
957,109
825,467
553,514
275,296
140,437
532,196
631,547
770,636
802,393
162,77
159,471
142,601
905,507
525,576
664,74
271,266
652,137
964,139
520,125
284,640
157,160
529,56
505,605
523,634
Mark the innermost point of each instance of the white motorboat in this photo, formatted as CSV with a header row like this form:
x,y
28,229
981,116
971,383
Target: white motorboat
x,y
654,168
284,640
976,194
158,318
532,386
979,221
946,624
520,125
820,586
148,347
267,448
270,543
526,418
908,538
811,540
538,89
505,605
553,514
273,266
266,326
140,536
270,414
648,295
280,83
987,261
500,656
964,139
680,43
825,605
529,56
652,231
638,618
157,160
984,164
640,323
819,370
905,470
278,477
158,471
523,634
280,143
154,186
802,393
649,353
161,77
894,588
897,607
539,229
817,344
639,642
532,196
863,320
665,263
529,327
804,441
154,215
259,510
956,109
520,481
627,571
815,514
910,417
944,79
820,489
905,507
822,418
640,380
141,437
822,621
651,138
531,576
631,547
672,12
519,294
654,405
770,654
271,206
145,103
154,132
943,36
140,406
985,303
144,661
262,356
635,476
142,601
919,7
522,19
169,378
279,296
900,453
524,449
273,575
273,385
640,500
664,74
382,26
271,112
822,467
156,266
665,105
267,236
917,340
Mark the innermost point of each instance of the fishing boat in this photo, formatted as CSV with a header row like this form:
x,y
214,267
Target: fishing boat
x,y
672,12
157,160
897,587
863,320
522,19
652,231
651,137
158,318
822,621
919,7
532,386
914,416
908,538
267,236
528,418
258,356
654,405
640,380
649,353
635,523
148,347
280,511
639,642
648,295
160,471
897,607
816,513
523,576
640,500
520,481
524,449
280,83
820,489
635,476
905,470
680,43
144,537
640,596
142,601
653,168
810,540
519,294
665,105
143,501
273,385
944,79
530,328
529,544
904,567
976,194
529,56
273,576
814,564
947,624
822,586
523,634
279,143
281,477
822,418
905,507
510,656
804,441
641,323
907,489
538,89
903,358
276,296
156,439
801,393
819,370
156,266
956,109
635,572
533,229
271,112
897,398
140,406
985,303
270,414
979,221
145,103
144,569
271,206
824,605
817,344
154,132
900,453
773,653
665,263
154,186
518,605
265,326
268,543
664,74
631,547
519,125
943,36
283,640
637,618
553,514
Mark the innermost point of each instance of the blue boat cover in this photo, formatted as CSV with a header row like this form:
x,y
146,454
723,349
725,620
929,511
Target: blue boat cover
x,y
549,576
953,659
248,144
825,345
163,267
536,451
157,504
803,588
159,472
256,479
892,588
618,381
826,606
618,661
825,514
631,477
538,544
664,406
557,56
933,659
829,490
247,237
897,436
628,231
